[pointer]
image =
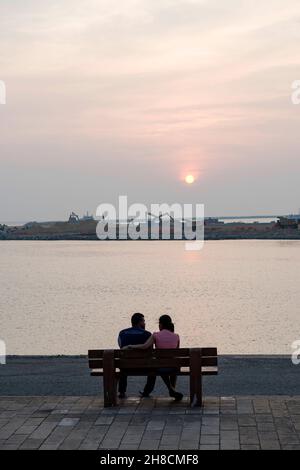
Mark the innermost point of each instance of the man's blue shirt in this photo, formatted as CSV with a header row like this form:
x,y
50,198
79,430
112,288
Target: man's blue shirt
x,y
133,336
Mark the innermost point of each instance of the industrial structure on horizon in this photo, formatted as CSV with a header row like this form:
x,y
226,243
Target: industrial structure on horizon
x,y
290,221
74,218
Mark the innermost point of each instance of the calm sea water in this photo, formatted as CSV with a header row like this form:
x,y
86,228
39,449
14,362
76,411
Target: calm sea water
x,y
66,297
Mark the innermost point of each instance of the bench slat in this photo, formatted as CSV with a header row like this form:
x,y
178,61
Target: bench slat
x,y
95,353
137,373
152,361
209,352
95,363
209,361
163,353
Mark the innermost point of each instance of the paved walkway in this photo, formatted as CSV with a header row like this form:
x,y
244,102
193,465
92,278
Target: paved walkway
x,y
82,423
238,375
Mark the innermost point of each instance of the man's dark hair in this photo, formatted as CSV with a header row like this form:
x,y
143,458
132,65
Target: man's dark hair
x,y
136,318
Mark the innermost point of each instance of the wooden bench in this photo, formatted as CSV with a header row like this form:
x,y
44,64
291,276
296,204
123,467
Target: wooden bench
x,y
194,362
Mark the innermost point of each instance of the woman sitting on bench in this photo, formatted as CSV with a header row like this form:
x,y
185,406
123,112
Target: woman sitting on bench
x,y
165,338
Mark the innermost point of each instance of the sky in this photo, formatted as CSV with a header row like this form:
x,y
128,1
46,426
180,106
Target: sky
x,y
108,98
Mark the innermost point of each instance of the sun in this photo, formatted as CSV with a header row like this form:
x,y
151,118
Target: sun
x,y
189,179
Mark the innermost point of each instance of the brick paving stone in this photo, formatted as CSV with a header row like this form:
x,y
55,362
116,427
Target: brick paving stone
x,y
168,434
266,427
80,431
89,445
270,445
248,423
149,444
155,425
249,447
68,422
261,405
70,444
188,445
31,444
248,435
152,434
244,406
133,435
129,447
228,423
112,444
290,447
210,430
264,418
246,420
8,447
94,437
3,422
8,414
17,440
33,421
229,435
113,437
210,421
57,436
169,441
173,448
287,439
230,445
11,427
211,440
43,431
26,429
209,447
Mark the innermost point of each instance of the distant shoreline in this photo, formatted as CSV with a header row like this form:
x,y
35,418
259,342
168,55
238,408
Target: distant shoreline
x,y
210,235
217,238
86,231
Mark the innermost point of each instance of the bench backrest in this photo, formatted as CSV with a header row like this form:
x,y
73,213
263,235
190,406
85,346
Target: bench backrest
x,y
152,358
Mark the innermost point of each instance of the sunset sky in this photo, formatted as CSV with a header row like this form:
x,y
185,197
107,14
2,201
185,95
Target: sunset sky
x,y
109,97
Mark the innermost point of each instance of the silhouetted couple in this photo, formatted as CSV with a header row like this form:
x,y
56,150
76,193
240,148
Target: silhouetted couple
x,y
137,337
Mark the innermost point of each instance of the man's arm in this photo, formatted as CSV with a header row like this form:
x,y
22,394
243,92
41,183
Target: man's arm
x,y
148,344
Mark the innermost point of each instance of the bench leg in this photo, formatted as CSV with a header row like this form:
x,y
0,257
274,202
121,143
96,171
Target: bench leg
x,y
195,377
109,379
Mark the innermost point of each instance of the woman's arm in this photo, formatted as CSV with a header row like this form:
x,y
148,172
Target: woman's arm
x,y
148,344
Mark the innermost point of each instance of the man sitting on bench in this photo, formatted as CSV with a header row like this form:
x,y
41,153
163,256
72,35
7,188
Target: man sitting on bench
x,y
165,338
134,335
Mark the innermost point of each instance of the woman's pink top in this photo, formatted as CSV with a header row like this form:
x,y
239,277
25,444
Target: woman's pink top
x,y
165,339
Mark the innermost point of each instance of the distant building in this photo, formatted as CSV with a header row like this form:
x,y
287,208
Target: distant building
x,y
294,217
74,218
3,228
289,221
212,221
87,216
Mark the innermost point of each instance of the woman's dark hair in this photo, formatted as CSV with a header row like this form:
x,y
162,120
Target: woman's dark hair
x,y
166,323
